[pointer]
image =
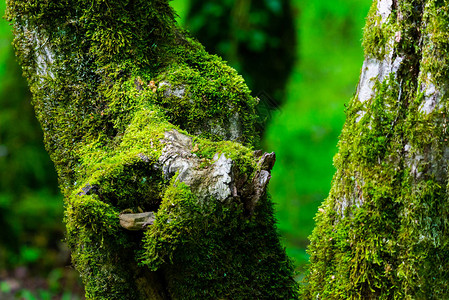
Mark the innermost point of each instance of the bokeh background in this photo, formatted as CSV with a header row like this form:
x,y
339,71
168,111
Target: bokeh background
x,y
302,58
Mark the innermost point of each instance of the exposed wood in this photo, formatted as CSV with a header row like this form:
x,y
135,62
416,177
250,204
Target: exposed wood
x,y
136,221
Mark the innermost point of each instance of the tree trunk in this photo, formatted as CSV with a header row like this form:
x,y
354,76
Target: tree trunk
x,y
149,132
383,231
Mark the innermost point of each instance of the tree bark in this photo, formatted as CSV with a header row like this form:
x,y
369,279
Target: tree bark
x,y
138,117
383,231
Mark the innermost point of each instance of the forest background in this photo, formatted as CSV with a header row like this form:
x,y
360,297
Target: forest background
x,y
303,131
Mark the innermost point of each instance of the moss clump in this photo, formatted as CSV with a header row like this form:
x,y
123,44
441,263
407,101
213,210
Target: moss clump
x,y
376,34
378,123
187,231
381,233
109,79
436,37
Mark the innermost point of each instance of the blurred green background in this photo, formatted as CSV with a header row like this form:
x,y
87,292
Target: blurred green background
x,y
302,58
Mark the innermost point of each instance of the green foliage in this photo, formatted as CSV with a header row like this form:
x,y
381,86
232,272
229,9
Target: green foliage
x,y
55,287
40,294
305,131
29,199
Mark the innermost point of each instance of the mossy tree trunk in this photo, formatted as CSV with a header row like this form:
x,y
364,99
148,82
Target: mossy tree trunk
x,y
138,117
383,231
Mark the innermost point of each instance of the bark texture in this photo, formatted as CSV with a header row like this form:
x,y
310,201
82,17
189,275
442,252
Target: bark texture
x,y
383,231
150,133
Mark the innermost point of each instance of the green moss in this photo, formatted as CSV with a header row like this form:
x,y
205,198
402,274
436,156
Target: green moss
x,y
243,157
375,38
381,232
436,38
120,75
377,35
187,231
378,124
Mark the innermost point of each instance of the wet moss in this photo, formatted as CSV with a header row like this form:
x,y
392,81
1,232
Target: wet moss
x,y
376,34
109,79
187,231
381,233
435,54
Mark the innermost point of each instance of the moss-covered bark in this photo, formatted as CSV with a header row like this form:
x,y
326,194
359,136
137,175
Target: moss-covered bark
x,y
138,116
383,231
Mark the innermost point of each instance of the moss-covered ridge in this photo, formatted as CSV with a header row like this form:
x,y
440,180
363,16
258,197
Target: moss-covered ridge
x,y
110,79
382,232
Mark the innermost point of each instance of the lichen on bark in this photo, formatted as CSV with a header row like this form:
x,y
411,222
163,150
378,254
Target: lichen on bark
x,y
383,233
137,116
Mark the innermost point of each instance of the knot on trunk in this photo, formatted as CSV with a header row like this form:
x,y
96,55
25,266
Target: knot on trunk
x,y
222,179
